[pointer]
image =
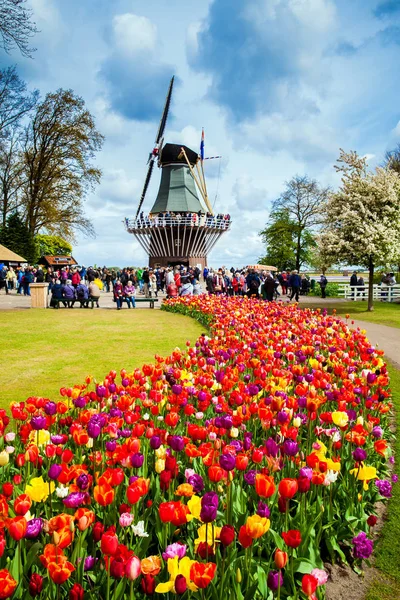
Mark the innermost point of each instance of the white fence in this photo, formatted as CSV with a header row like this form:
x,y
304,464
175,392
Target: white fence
x,y
385,293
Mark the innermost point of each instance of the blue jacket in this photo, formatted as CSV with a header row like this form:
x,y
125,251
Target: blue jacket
x,y
82,292
68,292
56,291
295,281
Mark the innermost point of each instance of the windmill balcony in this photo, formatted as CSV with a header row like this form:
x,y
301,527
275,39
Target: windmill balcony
x,y
178,238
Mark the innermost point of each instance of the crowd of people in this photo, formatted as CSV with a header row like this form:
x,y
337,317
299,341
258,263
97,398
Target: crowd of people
x,y
163,219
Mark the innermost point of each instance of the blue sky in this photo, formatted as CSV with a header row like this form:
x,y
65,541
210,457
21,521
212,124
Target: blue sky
x,y
279,85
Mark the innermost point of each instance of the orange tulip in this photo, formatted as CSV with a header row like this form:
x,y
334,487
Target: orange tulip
x,y
264,485
17,528
52,554
202,574
103,494
85,518
22,504
256,526
7,584
60,572
280,558
288,488
151,565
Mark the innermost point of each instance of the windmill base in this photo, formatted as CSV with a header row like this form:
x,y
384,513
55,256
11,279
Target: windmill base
x,y
187,261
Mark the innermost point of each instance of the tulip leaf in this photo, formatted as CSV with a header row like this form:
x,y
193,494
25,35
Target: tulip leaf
x,y
303,565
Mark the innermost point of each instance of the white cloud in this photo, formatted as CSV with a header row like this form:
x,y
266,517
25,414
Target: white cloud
x,y
134,35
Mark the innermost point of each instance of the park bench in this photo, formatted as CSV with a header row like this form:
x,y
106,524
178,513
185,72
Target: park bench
x,y
57,301
150,300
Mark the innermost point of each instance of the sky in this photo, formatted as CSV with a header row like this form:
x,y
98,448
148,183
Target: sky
x,y
278,85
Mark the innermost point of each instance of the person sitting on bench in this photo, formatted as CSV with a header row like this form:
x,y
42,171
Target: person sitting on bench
x,y
118,294
129,294
94,292
82,294
68,292
56,294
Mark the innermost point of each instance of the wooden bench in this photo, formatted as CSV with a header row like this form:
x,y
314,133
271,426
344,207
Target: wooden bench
x,y
55,303
151,300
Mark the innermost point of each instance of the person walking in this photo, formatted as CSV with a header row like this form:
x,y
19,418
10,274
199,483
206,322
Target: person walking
x,y
294,283
353,285
323,282
268,288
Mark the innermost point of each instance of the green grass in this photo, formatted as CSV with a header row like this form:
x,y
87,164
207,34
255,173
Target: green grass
x,y
383,313
387,550
41,351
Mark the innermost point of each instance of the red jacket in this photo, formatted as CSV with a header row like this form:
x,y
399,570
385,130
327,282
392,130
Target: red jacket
x,y
76,278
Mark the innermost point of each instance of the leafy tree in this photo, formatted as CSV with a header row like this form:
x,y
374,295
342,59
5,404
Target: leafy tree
x,y
16,237
51,245
60,141
283,240
304,201
16,26
15,101
362,220
392,159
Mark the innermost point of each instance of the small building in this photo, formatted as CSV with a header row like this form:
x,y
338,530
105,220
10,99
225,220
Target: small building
x,y
10,258
55,262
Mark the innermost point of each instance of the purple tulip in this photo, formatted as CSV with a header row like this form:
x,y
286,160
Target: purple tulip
x,y
74,499
90,561
263,510
111,445
377,431
57,439
54,471
209,507
137,460
272,447
196,481
50,408
155,442
363,546
274,580
34,528
38,422
359,454
176,442
177,389
250,477
101,391
371,378
227,462
82,481
290,448
80,402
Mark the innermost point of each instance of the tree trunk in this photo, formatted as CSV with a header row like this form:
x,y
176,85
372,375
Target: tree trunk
x,y
298,250
371,285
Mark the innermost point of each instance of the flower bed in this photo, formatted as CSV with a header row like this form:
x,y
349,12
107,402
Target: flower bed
x,y
230,470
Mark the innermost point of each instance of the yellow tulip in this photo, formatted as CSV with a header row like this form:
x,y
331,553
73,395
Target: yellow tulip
x,y
194,505
38,489
340,418
4,458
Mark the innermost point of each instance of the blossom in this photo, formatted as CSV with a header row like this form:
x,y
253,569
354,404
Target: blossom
x,y
177,567
173,550
363,546
38,490
138,529
385,487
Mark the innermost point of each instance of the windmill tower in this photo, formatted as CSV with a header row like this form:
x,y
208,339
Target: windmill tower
x,y
180,229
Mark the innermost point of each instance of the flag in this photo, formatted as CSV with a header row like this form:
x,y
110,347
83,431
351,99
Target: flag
x,y
202,145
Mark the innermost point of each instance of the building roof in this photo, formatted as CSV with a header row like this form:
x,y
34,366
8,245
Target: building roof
x,y
7,255
58,261
177,192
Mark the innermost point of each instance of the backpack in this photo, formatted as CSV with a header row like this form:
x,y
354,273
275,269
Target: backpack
x,y
254,284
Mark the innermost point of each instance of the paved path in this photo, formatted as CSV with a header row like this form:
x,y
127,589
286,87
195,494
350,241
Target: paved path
x,y
386,338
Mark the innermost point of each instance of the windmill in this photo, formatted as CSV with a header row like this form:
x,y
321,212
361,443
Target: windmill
x,y
180,228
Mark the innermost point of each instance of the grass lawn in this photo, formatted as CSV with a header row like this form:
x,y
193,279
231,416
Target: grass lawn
x,y
387,551
383,313
41,351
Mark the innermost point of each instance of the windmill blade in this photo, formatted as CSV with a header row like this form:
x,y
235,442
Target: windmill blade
x,y
164,117
146,185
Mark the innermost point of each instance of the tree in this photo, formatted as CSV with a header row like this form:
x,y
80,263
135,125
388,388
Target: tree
x,y
304,202
11,176
392,159
16,26
51,245
362,220
15,101
16,237
278,237
60,141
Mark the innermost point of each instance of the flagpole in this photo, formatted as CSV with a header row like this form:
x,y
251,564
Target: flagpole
x,y
202,171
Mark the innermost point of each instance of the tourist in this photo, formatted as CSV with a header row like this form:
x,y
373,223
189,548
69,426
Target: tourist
x,y
56,294
360,286
82,294
75,278
68,293
118,294
253,284
3,279
39,275
323,282
268,287
94,292
27,279
196,288
129,294
172,290
11,278
295,284
353,285
187,288
146,281
152,284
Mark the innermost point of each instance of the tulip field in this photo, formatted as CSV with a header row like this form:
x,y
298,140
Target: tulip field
x,y
232,469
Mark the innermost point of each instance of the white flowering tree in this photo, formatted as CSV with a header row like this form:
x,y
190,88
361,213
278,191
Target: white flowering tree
x,y
362,219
